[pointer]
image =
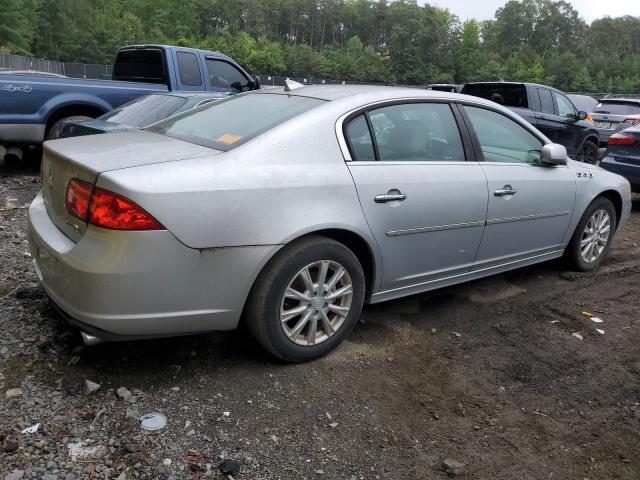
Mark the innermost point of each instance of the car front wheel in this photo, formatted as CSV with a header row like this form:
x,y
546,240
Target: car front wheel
x,y
588,152
307,299
593,235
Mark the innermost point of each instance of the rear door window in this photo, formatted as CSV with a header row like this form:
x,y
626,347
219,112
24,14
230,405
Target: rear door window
x,y
546,101
189,69
417,132
224,75
359,138
235,120
502,139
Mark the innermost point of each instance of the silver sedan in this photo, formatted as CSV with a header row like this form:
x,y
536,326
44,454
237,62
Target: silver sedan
x,y
287,209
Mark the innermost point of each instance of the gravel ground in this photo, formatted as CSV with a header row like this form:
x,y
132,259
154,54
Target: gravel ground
x,y
490,374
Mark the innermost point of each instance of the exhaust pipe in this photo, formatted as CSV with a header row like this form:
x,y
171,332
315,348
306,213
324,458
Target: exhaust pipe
x,y
89,340
13,155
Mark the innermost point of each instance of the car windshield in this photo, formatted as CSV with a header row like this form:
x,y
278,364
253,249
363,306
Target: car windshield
x,y
228,123
618,108
145,110
505,94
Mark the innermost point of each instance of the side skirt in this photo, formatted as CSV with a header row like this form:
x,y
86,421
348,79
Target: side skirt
x,y
460,278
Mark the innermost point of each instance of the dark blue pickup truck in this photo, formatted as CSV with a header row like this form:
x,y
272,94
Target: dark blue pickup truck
x,y
32,105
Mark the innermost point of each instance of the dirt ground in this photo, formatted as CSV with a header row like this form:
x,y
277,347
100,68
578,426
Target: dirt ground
x,y
488,373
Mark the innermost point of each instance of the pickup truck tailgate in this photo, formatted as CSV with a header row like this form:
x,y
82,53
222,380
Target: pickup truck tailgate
x,y
84,158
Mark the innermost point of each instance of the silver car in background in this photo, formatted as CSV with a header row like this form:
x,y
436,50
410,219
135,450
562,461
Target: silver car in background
x,y
612,115
289,208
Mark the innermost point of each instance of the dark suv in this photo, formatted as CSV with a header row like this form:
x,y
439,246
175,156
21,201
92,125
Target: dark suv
x,y
547,109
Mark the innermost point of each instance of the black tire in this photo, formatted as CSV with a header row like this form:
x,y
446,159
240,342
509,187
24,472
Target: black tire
x,y
53,132
262,312
574,254
588,152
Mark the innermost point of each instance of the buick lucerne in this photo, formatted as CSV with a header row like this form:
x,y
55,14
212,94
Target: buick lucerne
x,y
289,208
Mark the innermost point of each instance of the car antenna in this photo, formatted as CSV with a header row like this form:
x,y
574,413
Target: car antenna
x,y
290,85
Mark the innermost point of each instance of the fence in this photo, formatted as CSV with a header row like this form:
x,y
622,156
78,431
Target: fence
x,y
101,72
75,70
83,70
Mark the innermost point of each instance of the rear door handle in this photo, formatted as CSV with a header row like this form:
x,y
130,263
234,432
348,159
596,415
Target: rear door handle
x,y
506,190
390,197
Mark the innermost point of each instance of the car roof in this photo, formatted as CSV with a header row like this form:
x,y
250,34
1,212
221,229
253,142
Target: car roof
x,y
216,53
499,82
336,92
356,96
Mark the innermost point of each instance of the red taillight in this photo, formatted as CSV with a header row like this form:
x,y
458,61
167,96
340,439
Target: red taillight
x,y
622,139
106,209
77,198
632,121
109,210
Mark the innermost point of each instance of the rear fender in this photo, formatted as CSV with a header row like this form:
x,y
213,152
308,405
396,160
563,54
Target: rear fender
x,y
48,110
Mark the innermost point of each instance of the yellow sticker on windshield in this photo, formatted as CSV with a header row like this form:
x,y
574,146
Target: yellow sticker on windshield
x,y
228,138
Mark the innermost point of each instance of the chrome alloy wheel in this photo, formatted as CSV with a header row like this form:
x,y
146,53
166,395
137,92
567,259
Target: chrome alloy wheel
x,y
316,303
595,236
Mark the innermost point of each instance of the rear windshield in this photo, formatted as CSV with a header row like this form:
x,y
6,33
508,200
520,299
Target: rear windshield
x,y
618,108
507,95
146,110
228,123
139,66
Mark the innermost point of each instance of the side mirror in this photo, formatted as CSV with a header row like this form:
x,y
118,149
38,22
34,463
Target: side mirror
x,y
553,154
257,84
582,115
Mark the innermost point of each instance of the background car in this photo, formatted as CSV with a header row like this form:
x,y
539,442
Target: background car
x,y
547,109
31,105
613,115
289,208
445,87
584,103
623,155
138,113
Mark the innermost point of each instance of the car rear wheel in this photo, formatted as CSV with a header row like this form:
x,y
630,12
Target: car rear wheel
x,y
307,299
593,235
588,152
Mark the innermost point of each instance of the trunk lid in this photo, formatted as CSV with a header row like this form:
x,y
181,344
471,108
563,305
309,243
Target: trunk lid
x,y
606,121
629,154
86,157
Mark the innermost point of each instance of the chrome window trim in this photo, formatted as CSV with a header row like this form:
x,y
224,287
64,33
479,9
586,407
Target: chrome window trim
x,y
370,163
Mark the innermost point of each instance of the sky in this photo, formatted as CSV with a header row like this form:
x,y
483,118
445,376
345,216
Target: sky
x,y
589,10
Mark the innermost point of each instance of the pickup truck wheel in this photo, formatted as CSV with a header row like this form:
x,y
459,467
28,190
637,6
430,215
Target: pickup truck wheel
x,y
588,152
54,130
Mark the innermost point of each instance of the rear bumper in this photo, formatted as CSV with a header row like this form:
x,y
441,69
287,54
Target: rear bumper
x,y
629,171
21,133
141,284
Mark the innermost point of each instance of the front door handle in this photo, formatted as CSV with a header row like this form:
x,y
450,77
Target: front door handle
x,y
390,197
506,190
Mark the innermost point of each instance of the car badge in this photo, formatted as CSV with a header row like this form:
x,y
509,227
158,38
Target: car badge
x,y
50,184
